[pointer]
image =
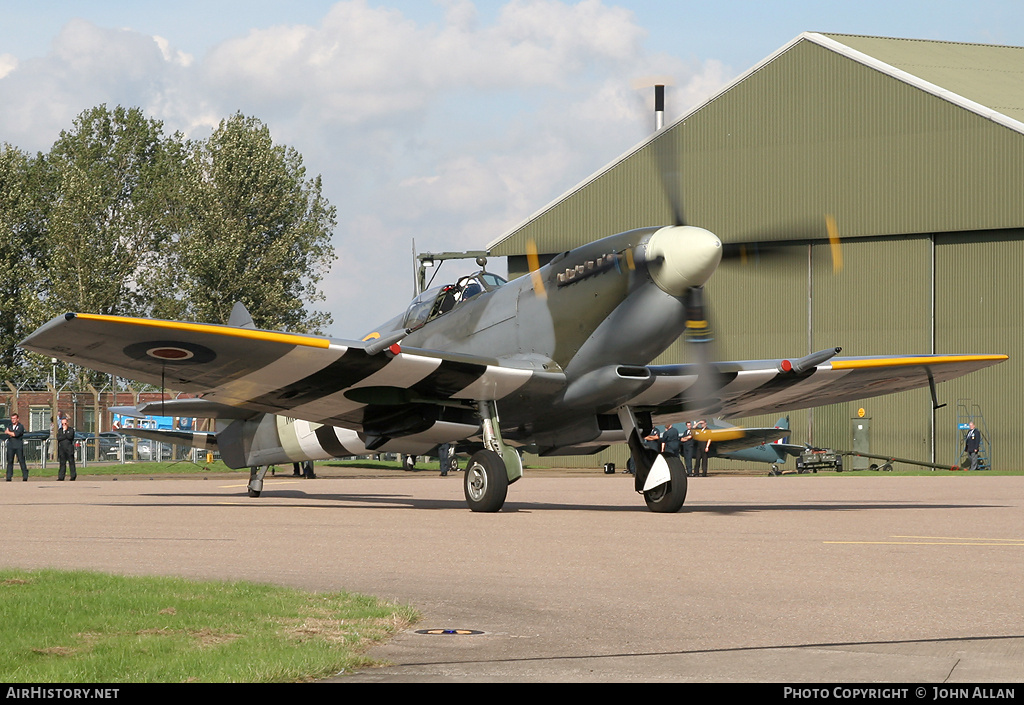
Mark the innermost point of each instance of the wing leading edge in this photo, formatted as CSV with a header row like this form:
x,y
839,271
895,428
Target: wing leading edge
x,y
307,377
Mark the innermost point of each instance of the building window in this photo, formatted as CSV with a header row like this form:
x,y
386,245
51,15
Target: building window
x,y
89,420
39,418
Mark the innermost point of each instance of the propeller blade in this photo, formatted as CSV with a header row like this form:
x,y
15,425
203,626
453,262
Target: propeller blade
x,y
533,262
783,245
833,241
699,340
698,330
671,178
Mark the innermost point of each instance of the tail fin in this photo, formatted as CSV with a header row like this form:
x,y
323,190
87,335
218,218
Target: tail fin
x,y
240,317
783,423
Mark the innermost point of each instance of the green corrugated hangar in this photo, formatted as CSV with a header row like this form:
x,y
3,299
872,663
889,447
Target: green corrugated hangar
x,y
917,150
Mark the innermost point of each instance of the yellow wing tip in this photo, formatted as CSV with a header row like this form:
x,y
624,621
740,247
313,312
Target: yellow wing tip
x,y
918,360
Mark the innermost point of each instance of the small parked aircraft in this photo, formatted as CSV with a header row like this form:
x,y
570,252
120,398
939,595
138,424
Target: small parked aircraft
x,y
756,445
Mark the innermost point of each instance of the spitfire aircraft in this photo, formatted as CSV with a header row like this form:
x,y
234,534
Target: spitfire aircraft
x,y
554,362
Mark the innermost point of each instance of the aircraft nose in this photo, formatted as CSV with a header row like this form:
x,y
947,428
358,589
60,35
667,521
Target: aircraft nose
x,y
682,256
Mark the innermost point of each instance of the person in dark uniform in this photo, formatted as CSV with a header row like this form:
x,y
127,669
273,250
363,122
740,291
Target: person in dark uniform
x,y
443,455
689,446
700,468
66,448
670,441
303,469
16,447
972,445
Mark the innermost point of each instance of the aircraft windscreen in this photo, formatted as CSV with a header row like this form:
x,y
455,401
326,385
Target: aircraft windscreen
x,y
419,310
442,299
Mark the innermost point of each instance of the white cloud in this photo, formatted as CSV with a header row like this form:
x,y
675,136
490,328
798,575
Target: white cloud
x,y
8,62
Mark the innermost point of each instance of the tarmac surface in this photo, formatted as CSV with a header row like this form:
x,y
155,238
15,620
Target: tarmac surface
x,y
802,579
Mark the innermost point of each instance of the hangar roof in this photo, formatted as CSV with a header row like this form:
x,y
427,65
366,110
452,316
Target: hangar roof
x,y
987,75
890,135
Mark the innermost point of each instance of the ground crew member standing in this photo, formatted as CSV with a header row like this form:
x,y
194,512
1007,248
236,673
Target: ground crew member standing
x,y
972,445
16,447
66,448
670,441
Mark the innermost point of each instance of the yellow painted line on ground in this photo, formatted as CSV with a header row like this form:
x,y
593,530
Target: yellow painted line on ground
x,y
246,333
936,541
955,538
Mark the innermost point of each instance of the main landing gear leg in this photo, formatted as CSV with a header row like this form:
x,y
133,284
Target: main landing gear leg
x,y
490,471
660,478
256,475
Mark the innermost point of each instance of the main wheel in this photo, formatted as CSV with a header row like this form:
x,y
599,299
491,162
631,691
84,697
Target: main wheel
x,y
669,497
409,462
485,482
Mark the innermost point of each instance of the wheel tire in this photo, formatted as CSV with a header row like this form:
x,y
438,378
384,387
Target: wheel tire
x,y
485,482
669,497
409,462
254,493
887,467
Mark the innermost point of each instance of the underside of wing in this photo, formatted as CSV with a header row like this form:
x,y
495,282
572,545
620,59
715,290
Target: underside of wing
x,y
739,389
391,392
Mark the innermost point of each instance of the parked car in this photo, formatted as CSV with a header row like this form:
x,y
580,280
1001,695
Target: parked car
x,y
109,444
147,450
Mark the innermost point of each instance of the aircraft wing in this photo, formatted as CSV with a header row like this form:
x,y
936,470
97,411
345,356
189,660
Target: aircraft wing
x,y
727,440
790,448
739,389
302,376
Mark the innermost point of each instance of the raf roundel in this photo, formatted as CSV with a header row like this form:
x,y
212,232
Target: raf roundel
x,y
170,351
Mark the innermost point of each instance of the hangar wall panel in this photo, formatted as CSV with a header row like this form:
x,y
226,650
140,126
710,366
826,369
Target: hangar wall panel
x,y
879,304
979,309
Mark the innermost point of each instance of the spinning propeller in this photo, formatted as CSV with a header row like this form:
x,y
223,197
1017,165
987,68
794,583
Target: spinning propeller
x,y
698,335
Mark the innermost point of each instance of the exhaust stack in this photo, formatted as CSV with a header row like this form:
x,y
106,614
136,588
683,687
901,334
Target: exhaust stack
x,y
659,107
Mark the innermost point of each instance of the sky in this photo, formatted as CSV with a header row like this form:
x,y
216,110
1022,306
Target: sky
x,y
445,123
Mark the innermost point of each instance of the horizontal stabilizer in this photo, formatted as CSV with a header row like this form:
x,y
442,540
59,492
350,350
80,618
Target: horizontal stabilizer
x,y
193,408
190,439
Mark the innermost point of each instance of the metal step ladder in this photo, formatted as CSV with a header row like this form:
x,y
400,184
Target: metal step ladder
x,y
967,411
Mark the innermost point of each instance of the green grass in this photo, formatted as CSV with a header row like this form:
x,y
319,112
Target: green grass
x,y
183,467
79,627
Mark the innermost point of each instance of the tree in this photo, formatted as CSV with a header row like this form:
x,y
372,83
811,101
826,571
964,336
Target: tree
x,y
258,231
111,203
19,254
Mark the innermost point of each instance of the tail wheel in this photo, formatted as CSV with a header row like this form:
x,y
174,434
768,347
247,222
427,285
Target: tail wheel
x,y
669,497
485,482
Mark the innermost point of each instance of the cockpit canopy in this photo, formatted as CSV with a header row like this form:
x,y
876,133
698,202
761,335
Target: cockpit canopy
x,y
442,299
